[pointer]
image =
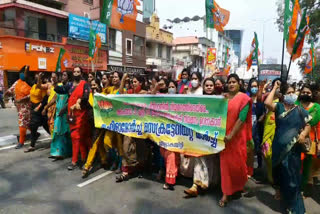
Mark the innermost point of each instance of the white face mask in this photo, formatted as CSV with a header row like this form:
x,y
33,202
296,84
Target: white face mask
x,y
194,83
172,91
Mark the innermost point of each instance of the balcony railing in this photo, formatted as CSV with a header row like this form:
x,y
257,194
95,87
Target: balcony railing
x,y
12,31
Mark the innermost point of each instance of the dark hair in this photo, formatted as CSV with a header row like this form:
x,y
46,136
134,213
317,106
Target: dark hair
x,y
235,76
185,71
311,87
198,74
120,74
141,80
208,79
174,82
81,70
165,81
284,88
252,80
219,79
98,83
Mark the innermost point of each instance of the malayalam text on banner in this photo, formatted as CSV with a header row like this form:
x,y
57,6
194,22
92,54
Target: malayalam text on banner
x,y
193,125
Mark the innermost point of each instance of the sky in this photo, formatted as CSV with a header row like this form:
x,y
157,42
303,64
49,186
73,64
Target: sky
x,y
248,15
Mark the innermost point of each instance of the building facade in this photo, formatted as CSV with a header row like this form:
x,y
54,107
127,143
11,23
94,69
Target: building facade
x,y
236,36
190,52
158,46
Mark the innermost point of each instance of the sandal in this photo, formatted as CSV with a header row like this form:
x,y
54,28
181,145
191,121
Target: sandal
x,y
85,173
192,192
168,187
222,203
31,149
122,177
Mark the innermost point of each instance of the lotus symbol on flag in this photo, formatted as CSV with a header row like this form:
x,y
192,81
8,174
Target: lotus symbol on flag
x,y
125,7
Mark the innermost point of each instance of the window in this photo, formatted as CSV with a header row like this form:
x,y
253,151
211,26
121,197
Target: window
x,y
168,53
112,39
160,50
129,47
138,46
88,1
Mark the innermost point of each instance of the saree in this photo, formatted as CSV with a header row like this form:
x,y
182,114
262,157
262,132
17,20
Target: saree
x,y
21,89
286,155
61,145
51,110
268,136
308,159
233,159
206,171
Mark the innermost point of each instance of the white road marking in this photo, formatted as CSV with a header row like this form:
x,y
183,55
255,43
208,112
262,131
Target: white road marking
x,y
94,179
12,146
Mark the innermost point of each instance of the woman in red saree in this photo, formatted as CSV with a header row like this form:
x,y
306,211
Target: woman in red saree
x,y
78,117
233,159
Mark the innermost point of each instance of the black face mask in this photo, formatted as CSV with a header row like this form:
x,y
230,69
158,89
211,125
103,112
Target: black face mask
x,y
163,90
305,98
218,90
76,78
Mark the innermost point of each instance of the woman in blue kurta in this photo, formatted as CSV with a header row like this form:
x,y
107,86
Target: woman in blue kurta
x,y
287,146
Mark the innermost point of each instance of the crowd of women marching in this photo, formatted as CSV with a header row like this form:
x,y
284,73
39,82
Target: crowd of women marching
x,y
274,121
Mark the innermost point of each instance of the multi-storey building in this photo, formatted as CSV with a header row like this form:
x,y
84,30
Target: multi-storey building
x,y
159,46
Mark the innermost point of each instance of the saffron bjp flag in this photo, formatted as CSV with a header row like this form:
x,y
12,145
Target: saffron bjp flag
x,y
293,27
311,60
254,52
193,125
216,17
302,32
63,60
94,45
227,64
120,14
288,12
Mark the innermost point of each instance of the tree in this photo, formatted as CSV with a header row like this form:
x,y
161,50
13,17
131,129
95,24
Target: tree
x,y
313,8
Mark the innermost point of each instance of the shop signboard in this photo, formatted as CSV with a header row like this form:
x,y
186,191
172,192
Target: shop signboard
x,y
79,28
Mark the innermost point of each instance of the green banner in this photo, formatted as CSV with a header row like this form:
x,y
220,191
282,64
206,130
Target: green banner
x,y
209,14
106,12
193,125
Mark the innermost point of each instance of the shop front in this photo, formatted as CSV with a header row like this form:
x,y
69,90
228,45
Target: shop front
x,y
79,57
127,69
15,52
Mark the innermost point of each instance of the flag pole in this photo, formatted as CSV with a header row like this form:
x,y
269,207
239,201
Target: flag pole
x,y
289,68
283,42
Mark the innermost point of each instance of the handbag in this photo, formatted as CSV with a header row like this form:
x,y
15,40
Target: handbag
x,y
306,145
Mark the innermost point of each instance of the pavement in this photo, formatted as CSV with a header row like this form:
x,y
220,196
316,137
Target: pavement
x,y
33,183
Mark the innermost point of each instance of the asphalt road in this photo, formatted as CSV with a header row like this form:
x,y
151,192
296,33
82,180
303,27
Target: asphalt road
x,y
32,183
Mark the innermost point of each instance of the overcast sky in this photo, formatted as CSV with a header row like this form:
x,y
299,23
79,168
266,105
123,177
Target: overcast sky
x,y
248,15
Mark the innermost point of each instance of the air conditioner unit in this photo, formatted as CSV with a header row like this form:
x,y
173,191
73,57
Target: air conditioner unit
x,y
86,14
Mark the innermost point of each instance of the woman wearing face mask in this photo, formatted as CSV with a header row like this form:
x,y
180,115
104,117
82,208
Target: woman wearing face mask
x,y
233,159
135,151
258,115
138,85
161,87
20,90
184,82
286,148
196,88
206,168
218,87
171,159
78,117
97,146
310,160
112,139
268,136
